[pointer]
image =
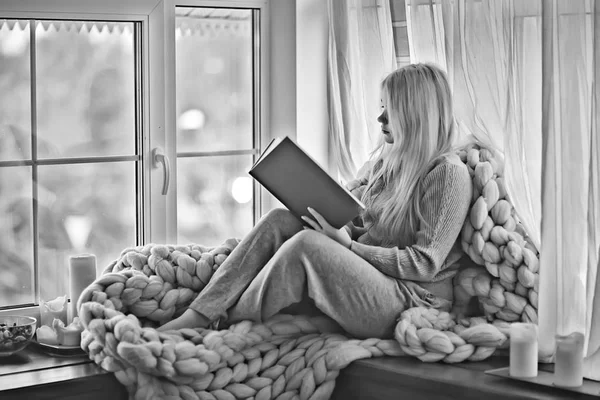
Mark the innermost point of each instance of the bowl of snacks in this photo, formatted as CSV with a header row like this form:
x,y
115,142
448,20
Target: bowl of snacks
x,y
15,333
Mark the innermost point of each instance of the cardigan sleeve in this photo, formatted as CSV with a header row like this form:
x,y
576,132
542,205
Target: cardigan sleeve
x,y
447,192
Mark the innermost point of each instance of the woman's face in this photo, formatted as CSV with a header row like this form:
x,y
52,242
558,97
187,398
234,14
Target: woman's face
x,y
385,127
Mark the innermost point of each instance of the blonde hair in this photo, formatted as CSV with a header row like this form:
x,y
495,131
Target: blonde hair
x,y
419,112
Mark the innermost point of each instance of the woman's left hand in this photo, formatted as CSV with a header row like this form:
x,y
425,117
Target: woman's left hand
x,y
321,225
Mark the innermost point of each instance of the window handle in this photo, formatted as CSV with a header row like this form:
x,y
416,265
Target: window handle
x,y
159,157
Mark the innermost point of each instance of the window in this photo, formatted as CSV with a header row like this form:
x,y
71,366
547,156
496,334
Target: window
x,y
87,93
70,141
216,57
400,32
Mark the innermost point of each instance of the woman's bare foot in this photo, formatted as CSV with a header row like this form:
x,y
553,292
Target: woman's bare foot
x,y
189,319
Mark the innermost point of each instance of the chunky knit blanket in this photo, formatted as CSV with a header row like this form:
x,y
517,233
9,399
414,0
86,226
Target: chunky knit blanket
x,y
295,357
494,237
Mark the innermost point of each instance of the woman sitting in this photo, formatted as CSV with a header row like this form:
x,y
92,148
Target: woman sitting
x,y
401,252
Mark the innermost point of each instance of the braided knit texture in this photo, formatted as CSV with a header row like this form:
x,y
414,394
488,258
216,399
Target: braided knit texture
x,y
299,357
494,237
286,357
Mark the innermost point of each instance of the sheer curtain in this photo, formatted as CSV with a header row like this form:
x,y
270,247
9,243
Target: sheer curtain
x,y
524,73
361,53
480,46
571,178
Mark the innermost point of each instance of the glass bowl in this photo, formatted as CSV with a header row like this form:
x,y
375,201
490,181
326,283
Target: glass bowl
x,y
15,333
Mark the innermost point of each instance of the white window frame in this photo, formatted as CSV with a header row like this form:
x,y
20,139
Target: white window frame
x,y
152,14
260,121
158,119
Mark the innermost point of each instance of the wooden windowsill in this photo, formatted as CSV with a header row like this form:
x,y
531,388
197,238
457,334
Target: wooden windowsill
x,y
407,377
33,375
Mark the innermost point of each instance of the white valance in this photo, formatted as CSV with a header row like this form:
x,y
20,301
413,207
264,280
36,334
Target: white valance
x,y
68,26
185,26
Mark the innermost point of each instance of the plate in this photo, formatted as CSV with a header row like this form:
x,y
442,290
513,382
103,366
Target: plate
x,y
546,378
60,350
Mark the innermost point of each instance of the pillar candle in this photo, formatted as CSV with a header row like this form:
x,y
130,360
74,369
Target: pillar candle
x,y
82,273
568,364
523,362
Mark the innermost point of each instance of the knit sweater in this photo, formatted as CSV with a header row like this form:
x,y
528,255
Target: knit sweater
x,y
446,195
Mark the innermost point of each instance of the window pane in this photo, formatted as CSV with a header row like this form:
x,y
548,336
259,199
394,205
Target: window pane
x,y
16,236
85,89
401,42
214,79
86,208
214,199
15,90
398,9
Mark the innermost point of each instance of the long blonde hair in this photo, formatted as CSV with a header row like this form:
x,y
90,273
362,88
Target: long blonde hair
x,y
420,115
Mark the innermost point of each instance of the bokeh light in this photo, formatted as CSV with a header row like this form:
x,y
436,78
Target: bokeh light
x,y
241,189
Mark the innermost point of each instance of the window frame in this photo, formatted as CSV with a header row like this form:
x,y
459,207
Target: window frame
x,y
34,161
157,98
152,15
261,133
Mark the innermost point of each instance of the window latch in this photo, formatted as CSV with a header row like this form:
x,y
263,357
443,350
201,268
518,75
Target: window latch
x,y
159,158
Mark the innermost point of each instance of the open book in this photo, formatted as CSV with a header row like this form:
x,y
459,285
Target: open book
x,y
297,181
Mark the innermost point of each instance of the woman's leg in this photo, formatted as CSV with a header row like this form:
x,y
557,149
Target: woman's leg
x,y
362,300
244,263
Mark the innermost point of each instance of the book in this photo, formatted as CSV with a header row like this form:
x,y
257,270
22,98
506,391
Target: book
x,y
299,182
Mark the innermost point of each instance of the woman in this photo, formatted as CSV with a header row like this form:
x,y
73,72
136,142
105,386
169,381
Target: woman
x,y
402,251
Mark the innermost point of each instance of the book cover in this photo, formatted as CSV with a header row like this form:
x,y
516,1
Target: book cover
x,y
299,182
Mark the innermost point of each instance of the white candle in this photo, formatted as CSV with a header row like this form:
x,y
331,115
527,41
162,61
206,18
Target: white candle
x,y
523,350
568,364
82,273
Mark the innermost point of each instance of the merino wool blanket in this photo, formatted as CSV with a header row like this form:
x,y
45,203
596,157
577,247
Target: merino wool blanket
x,y
286,357
297,357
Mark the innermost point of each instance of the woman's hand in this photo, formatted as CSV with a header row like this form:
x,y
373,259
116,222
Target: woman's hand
x,y
353,184
321,225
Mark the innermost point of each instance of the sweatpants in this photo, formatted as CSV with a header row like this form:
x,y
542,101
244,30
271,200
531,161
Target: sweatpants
x,y
280,265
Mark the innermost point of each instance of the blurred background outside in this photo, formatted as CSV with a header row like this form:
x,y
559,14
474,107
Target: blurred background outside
x,y
83,80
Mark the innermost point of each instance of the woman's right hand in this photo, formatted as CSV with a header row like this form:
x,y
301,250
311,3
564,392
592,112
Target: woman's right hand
x,y
342,236
353,184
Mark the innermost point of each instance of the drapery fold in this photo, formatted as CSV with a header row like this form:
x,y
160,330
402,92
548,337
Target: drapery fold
x,y
360,54
476,43
525,73
592,362
569,300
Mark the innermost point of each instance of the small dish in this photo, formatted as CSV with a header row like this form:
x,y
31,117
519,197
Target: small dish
x,y
58,350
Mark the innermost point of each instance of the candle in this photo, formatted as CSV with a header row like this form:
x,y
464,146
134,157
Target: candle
x,y
523,362
568,364
49,310
82,273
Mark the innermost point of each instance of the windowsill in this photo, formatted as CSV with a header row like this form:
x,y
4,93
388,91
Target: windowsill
x,y
407,377
32,358
33,374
